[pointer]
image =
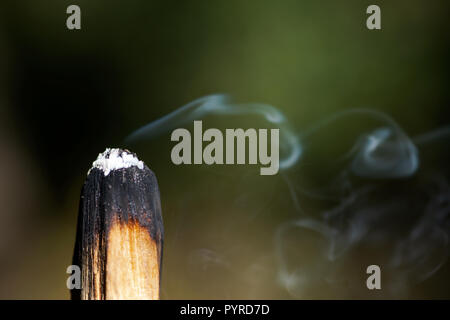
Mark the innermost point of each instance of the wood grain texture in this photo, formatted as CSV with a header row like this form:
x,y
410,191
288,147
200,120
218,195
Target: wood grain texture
x,y
132,268
120,235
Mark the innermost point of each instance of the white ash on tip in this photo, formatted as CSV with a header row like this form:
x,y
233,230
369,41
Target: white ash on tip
x,y
113,159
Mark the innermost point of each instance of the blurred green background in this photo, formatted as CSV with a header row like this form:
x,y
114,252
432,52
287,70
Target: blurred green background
x,y
67,95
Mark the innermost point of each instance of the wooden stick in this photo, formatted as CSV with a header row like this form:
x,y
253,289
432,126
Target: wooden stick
x,y
120,232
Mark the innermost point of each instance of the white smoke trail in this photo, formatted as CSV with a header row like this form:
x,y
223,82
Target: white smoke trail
x,y
220,104
363,214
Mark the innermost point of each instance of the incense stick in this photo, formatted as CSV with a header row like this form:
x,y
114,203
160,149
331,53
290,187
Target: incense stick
x,y
120,232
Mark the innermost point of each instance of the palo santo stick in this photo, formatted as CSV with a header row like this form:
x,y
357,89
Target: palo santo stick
x,y
120,232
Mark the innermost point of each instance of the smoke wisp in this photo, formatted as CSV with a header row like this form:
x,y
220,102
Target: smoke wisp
x,y
379,206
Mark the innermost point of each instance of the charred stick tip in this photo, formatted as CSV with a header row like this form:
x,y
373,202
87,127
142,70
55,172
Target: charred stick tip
x,y
120,232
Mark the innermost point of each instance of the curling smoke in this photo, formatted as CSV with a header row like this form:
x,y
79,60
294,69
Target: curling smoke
x,y
220,104
410,225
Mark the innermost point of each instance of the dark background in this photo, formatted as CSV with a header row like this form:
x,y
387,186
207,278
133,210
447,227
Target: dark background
x,y
67,95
